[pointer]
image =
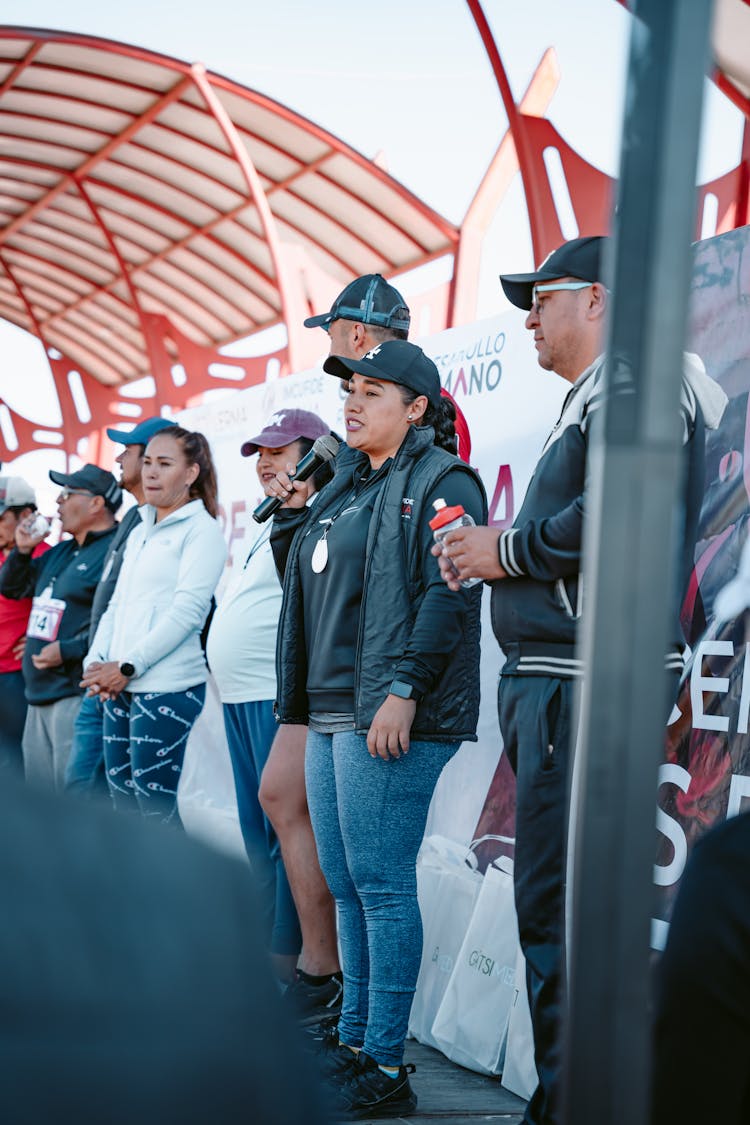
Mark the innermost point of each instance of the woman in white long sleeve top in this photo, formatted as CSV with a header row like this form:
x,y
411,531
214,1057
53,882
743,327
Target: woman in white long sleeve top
x,y
146,659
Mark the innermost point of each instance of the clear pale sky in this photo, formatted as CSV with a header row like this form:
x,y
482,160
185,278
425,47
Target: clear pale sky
x,y
408,78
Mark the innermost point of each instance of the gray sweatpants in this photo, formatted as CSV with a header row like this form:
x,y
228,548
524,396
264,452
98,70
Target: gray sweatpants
x,y
47,738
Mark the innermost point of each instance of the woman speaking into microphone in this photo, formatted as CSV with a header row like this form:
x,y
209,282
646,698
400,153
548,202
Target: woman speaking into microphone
x,y
381,661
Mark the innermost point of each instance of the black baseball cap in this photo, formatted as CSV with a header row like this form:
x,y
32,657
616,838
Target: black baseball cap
x,y
369,300
393,361
91,479
581,258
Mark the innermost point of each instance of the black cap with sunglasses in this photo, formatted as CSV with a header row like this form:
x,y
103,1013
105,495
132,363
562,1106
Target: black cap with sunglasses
x,y
91,480
581,258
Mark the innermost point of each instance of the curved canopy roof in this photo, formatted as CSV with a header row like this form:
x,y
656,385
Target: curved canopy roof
x,y
152,212
134,186
730,38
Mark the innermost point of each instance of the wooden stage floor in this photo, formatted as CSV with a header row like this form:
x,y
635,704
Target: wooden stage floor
x,y
451,1095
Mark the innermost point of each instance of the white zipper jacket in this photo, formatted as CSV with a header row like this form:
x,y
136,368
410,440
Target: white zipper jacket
x,y
169,572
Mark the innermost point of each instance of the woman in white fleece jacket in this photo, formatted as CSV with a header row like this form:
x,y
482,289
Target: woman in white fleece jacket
x,y
146,661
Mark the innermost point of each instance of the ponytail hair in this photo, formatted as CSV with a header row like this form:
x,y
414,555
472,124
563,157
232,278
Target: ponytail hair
x,y
441,417
197,451
461,426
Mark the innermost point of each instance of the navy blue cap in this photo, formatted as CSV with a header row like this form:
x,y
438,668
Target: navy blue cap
x,y
393,361
91,479
140,434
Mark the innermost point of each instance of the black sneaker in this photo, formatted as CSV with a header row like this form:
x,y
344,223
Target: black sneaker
x,y
321,1031
368,1092
333,1061
311,1003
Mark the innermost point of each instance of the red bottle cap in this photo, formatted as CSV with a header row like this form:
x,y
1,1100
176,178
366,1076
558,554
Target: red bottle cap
x,y
444,514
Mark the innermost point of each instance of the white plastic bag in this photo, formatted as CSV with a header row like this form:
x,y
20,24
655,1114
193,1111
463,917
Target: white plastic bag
x,y
206,797
447,887
472,1022
519,1070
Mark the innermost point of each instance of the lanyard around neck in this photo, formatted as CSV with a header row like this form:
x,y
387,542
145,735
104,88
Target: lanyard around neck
x,y
261,541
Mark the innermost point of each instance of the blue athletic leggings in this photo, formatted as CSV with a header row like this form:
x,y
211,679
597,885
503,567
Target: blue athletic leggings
x,y
251,728
368,817
145,734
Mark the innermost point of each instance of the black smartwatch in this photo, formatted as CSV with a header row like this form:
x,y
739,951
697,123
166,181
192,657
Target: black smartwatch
x,y
403,690
127,669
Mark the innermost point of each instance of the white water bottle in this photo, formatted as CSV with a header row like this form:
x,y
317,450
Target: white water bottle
x,y
448,519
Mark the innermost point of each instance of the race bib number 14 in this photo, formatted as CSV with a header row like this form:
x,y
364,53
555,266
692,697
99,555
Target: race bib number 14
x,y
45,617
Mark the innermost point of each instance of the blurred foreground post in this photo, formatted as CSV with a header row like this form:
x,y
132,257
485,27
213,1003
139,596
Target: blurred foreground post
x,y
634,518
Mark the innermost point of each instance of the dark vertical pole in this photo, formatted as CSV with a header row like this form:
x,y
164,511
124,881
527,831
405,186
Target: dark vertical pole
x,y
633,527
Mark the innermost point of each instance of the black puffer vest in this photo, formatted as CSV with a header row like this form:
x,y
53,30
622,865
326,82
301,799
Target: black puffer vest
x,y
391,596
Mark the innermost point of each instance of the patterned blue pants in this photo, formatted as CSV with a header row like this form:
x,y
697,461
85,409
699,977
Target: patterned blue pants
x,y
145,734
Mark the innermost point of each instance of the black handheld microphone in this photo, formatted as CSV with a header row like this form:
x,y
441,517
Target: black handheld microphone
x,y
324,449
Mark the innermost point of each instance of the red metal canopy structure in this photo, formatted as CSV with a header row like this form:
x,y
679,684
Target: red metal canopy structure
x,y
589,189
151,212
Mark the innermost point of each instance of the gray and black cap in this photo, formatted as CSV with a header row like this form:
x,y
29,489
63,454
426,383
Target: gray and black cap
x,y
370,300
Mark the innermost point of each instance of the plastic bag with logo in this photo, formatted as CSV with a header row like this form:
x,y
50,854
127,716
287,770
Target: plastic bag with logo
x,y
519,1070
471,1024
447,885
206,797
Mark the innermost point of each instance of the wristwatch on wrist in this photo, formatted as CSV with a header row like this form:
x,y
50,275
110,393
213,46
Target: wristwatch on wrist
x,y
403,690
127,669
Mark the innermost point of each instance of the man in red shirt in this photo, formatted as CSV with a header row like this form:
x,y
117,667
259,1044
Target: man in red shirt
x,y
17,503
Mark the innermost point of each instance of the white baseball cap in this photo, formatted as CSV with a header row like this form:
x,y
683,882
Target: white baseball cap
x,y
15,492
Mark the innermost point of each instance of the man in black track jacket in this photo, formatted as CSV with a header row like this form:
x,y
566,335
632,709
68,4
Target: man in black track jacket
x,y
62,583
537,592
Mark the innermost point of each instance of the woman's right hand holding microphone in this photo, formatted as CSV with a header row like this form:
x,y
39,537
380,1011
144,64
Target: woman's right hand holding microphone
x,y
293,493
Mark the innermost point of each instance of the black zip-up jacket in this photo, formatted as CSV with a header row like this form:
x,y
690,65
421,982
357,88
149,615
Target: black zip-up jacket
x,y
536,609
73,572
392,597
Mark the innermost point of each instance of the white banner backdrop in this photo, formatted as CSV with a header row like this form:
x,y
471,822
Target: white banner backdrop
x,y
510,405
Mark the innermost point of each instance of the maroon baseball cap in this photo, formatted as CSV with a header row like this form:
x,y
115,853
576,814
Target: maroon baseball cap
x,y
286,426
